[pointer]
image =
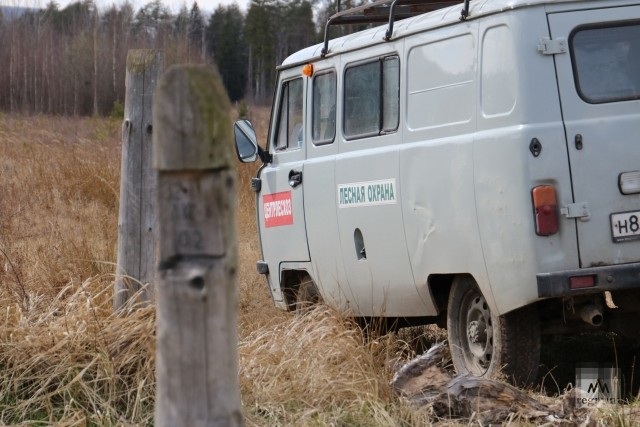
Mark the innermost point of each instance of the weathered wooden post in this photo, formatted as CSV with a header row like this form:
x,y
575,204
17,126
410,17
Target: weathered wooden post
x,y
196,362
137,234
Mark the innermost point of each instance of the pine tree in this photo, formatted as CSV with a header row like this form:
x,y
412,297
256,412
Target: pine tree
x,y
152,23
181,23
260,31
196,33
181,34
299,29
226,44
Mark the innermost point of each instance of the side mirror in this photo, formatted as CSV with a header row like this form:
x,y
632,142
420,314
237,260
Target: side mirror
x,y
247,147
246,141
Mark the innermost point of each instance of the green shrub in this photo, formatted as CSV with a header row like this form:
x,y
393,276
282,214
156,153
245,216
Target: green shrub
x,y
117,111
243,110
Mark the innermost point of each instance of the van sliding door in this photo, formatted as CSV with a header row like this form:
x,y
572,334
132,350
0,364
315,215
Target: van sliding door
x,y
373,244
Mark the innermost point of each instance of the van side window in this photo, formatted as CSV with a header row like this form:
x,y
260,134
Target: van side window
x,y
606,62
324,108
372,98
390,93
289,130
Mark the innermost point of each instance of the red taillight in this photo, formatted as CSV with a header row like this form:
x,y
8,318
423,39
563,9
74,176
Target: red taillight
x,y
545,209
579,282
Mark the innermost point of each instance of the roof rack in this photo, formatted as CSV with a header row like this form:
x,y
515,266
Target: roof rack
x,y
387,11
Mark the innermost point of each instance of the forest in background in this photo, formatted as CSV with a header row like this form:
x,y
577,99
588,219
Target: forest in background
x,y
72,61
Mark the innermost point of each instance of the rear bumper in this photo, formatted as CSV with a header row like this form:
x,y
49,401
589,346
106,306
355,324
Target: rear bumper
x,y
607,278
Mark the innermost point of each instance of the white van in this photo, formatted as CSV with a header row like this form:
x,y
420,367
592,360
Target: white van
x,y
476,166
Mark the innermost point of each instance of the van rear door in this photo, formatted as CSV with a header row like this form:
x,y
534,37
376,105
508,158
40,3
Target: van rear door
x,y
599,85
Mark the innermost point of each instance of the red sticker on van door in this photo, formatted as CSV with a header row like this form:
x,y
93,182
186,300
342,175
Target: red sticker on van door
x,y
278,209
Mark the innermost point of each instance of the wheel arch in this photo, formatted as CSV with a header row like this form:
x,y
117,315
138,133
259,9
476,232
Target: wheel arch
x,y
290,280
440,287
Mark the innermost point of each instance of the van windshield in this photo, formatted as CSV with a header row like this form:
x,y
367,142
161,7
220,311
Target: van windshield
x,y
606,62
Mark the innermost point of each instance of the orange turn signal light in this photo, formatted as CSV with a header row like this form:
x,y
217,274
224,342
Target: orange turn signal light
x,y
545,210
307,70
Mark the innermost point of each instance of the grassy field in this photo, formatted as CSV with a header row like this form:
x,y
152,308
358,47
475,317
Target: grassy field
x,y
65,359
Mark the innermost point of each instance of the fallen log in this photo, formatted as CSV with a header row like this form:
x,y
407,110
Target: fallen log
x,y
424,377
428,380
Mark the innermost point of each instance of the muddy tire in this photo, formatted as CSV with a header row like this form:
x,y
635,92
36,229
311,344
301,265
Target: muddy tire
x,y
484,344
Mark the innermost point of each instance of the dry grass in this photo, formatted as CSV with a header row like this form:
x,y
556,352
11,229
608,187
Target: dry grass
x,y
64,356
65,359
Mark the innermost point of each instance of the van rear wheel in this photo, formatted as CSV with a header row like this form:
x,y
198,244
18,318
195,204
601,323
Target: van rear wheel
x,y
484,344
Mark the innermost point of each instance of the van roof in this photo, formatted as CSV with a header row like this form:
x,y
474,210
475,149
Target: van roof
x,y
438,18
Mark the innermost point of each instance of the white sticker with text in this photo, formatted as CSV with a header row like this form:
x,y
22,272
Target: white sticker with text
x,y
371,193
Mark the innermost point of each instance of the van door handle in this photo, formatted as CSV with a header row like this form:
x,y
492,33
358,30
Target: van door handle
x,y
295,178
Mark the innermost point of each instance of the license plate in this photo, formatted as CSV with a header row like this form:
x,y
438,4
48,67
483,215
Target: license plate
x,y
625,226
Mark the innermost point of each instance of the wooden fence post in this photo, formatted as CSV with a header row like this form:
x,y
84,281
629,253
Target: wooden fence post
x,y
196,357
137,234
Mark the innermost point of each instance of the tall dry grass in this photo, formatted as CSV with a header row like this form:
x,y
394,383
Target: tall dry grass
x,y
65,359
